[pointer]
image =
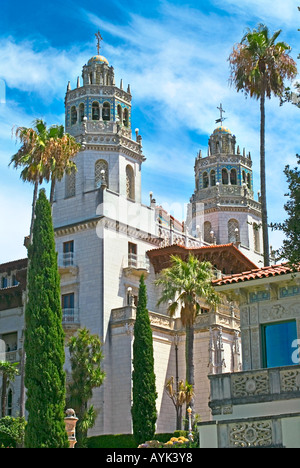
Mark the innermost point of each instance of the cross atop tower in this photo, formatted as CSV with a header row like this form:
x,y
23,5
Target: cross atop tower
x,y
99,39
221,119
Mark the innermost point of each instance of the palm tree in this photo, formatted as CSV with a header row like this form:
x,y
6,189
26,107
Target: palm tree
x,y
58,158
259,67
30,158
185,286
8,371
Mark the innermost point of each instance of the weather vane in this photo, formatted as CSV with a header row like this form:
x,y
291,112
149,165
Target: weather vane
x,y
99,39
221,119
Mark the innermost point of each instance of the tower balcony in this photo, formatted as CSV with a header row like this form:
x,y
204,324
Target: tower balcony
x,y
66,264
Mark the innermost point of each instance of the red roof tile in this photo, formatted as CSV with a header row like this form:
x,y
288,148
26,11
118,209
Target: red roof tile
x,y
264,272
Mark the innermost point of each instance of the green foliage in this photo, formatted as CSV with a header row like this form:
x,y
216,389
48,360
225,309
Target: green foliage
x,y
291,227
85,357
120,440
44,338
11,432
143,410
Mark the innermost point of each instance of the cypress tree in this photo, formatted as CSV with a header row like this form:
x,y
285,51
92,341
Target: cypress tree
x,y
44,338
143,410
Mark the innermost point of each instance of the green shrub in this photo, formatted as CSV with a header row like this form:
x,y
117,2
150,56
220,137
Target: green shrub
x,y
11,432
120,440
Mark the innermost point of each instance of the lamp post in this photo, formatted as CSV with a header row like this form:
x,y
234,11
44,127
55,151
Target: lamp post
x,y
190,434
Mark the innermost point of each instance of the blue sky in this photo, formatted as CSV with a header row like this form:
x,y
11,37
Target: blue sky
x,y
174,55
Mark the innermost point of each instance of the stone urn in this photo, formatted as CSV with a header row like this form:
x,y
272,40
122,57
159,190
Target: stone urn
x,y
71,421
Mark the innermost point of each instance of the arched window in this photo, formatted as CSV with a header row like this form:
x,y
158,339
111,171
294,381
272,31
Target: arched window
x,y
95,111
125,117
233,231
224,177
106,111
81,112
205,179
213,178
249,181
130,192
256,237
73,115
119,108
233,177
207,232
244,177
101,172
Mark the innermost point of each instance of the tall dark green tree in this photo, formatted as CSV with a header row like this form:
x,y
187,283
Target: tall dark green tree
x,y
144,393
290,249
44,338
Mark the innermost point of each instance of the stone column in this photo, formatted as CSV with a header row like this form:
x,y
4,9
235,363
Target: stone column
x,y
71,421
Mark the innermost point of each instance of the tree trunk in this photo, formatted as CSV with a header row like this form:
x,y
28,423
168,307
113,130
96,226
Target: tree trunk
x,y
35,193
263,180
52,191
190,373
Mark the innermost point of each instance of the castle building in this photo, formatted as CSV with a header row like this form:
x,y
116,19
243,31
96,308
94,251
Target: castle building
x,y
106,238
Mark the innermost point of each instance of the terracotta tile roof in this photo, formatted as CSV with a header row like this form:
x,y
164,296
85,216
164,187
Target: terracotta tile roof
x,y
264,272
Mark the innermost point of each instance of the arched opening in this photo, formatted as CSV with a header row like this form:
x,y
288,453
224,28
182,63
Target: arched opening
x,y
233,231
233,177
130,191
205,179
249,181
73,115
119,110
101,172
207,232
244,177
106,111
256,237
213,178
95,111
81,112
224,177
125,117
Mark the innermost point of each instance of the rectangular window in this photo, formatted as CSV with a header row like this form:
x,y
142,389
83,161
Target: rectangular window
x,y
259,296
277,340
68,253
68,301
132,254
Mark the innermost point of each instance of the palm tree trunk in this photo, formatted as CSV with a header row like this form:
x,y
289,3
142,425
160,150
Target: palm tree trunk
x,y
263,180
190,372
52,191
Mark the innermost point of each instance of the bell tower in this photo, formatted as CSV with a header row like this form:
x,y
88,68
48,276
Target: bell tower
x,y
224,195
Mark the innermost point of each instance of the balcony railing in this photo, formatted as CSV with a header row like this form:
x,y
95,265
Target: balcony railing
x,y
66,259
70,316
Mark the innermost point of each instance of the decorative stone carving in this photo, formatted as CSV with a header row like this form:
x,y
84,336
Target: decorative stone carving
x,y
250,434
245,384
290,380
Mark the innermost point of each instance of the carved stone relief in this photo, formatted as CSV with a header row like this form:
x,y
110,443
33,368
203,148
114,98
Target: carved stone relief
x,y
244,385
250,434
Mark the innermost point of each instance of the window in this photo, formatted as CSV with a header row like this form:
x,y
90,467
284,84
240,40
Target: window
x,y
126,117
130,183
205,179
81,112
106,111
278,341
4,282
132,254
249,181
95,111
256,237
224,177
233,177
213,178
73,115
100,166
119,113
233,230
68,301
207,232
68,253
71,184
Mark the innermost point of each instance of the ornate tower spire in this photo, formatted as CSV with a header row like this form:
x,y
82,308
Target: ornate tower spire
x,y
221,119
99,39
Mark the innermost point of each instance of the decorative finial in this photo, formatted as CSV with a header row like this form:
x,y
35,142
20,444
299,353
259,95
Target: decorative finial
x,y
221,119
99,39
